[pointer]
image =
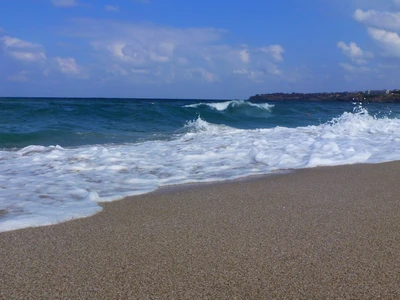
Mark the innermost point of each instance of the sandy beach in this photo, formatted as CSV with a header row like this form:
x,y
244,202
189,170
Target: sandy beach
x,y
323,233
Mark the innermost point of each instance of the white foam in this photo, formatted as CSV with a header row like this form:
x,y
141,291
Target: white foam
x,y
47,185
221,106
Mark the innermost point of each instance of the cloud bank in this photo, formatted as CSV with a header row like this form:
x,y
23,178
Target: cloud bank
x,y
146,52
31,59
381,20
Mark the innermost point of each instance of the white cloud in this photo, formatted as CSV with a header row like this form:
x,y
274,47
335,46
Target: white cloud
x,y
111,8
173,53
245,55
30,61
351,50
240,71
140,71
23,50
273,69
117,70
383,26
28,56
11,42
208,76
266,62
67,65
390,41
354,69
64,3
387,20
355,53
141,44
202,74
161,52
275,50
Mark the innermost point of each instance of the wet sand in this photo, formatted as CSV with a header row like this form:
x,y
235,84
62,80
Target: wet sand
x,y
324,233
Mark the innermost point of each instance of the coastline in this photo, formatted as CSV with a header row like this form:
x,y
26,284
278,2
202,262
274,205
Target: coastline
x,y
327,232
378,96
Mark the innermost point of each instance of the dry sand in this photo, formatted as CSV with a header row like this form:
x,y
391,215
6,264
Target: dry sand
x,y
325,233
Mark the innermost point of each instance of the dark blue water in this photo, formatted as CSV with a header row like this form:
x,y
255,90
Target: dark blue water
x,y
80,121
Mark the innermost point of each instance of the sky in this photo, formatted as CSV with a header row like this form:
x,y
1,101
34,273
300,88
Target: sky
x,y
209,49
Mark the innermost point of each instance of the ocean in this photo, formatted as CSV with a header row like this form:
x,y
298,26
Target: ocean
x,y
60,157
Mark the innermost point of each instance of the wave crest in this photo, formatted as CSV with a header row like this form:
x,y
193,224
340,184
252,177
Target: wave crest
x,y
200,125
360,120
223,106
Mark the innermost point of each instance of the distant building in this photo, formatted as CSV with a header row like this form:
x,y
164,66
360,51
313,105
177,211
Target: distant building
x,y
377,92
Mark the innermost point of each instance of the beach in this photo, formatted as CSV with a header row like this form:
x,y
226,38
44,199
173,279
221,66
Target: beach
x,y
319,233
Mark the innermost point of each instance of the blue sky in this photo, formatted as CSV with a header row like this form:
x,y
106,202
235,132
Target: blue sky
x,y
197,49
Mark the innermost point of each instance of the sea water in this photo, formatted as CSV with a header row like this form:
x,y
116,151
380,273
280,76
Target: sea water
x,y
60,157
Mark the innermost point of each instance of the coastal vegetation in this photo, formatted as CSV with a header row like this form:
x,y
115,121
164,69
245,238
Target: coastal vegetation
x,y
358,96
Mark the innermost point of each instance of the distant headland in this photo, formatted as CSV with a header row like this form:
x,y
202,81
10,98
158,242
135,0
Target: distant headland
x,y
359,96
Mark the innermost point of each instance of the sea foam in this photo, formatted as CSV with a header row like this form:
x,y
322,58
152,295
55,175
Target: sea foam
x,y
47,185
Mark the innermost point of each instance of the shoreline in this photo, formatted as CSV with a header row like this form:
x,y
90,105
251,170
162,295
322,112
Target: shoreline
x,y
326,232
189,185
377,96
